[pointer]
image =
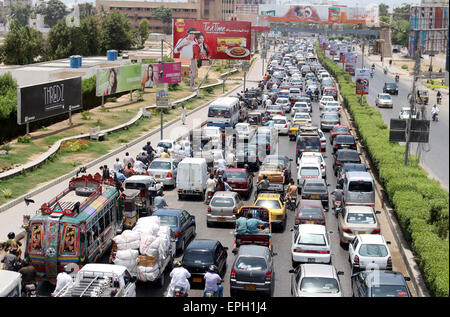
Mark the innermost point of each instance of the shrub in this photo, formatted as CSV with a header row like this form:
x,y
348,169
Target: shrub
x,y
6,147
24,139
86,115
74,145
404,66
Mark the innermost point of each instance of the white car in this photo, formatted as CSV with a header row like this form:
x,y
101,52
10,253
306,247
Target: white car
x,y
323,140
404,113
384,100
284,102
308,168
244,130
330,109
369,251
282,124
300,106
274,110
323,164
316,280
310,244
302,118
334,103
324,100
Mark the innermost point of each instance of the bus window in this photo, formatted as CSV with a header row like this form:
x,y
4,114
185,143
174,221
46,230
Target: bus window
x,y
69,240
36,238
107,218
101,224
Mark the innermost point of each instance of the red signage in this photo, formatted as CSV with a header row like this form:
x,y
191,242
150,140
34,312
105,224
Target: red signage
x,y
205,39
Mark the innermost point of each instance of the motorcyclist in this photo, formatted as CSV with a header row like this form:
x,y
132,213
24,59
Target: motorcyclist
x,y
397,78
210,186
63,279
28,273
371,72
316,94
438,97
373,67
434,112
160,202
337,196
179,278
291,190
227,187
264,183
212,279
385,70
309,92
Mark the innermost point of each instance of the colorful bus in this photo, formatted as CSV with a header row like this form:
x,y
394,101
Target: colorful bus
x,y
77,226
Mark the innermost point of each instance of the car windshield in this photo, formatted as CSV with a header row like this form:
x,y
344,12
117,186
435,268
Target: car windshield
x,y
198,257
391,85
354,167
311,212
274,108
319,285
309,171
330,117
269,204
352,156
164,144
300,116
235,175
341,129
362,218
315,187
312,239
389,291
221,112
279,121
375,250
345,139
159,165
222,202
360,186
247,263
274,160
308,141
282,101
385,97
166,220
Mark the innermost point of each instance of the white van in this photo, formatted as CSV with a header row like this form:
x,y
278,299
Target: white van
x,y
10,284
191,178
223,112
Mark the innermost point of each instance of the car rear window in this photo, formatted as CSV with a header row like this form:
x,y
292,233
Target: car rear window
x,y
246,263
389,291
222,202
269,204
308,141
315,187
345,139
375,250
279,121
341,130
352,156
309,171
311,212
165,144
319,285
354,167
360,186
166,220
332,117
235,175
158,165
198,257
312,239
361,218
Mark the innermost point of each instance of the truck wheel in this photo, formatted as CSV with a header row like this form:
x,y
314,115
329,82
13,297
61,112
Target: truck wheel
x,y
179,197
209,224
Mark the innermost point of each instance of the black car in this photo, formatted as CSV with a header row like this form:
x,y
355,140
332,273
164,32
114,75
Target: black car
x,y
200,255
380,284
281,159
345,156
390,88
315,188
349,167
345,142
247,154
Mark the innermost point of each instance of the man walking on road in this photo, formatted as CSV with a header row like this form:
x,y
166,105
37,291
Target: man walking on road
x,y
183,115
128,160
118,165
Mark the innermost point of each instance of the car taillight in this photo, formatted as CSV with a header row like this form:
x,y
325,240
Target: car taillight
x,y
389,261
235,210
303,197
347,230
142,194
356,259
268,276
209,209
147,174
285,125
169,174
338,162
325,197
376,231
323,121
372,205
233,274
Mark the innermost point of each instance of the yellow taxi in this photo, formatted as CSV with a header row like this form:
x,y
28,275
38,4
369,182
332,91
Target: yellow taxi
x,y
276,207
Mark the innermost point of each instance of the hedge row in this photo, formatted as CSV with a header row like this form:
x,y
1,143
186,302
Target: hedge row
x,y
421,204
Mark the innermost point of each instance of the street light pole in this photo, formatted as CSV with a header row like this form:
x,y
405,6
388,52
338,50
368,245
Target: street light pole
x,y
162,82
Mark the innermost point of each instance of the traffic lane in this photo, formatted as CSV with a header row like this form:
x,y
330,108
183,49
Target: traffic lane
x,y
435,155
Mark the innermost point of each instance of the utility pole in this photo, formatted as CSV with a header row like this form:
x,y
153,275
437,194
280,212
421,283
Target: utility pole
x,y
412,99
162,82
362,67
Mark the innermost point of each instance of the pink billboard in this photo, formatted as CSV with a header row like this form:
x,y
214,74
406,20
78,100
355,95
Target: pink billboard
x,y
151,74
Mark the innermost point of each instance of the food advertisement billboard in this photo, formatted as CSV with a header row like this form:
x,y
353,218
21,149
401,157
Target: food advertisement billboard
x,y
207,39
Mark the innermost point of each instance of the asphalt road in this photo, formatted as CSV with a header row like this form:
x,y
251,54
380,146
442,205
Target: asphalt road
x,y
435,154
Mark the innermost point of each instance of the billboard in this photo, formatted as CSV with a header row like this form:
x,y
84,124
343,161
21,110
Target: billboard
x,y
350,62
333,48
322,13
150,74
206,39
118,79
48,100
342,51
362,81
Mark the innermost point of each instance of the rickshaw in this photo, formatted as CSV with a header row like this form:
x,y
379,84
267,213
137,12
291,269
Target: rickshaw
x,y
130,212
422,97
254,118
263,237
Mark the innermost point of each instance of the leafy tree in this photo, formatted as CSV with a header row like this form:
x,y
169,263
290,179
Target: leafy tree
x,y
8,95
383,9
165,15
400,33
143,31
21,13
116,32
86,10
22,45
53,11
90,30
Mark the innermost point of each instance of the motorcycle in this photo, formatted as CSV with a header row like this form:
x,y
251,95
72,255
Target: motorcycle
x,y
435,117
397,79
439,99
371,74
179,291
211,293
385,71
209,197
291,203
337,207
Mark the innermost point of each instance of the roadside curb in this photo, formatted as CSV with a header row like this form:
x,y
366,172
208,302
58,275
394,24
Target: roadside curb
x,y
407,255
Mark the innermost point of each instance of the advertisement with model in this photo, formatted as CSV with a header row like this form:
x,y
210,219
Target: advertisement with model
x,y
118,79
151,74
362,81
350,62
42,101
205,39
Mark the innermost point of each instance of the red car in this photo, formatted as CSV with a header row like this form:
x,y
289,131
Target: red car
x,y
339,130
310,212
240,180
330,92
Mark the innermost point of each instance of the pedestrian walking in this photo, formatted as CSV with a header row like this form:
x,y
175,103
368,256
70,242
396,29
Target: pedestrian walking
x,y
128,160
118,165
183,115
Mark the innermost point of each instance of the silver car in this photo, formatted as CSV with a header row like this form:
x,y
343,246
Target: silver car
x,y
223,208
316,280
384,100
354,220
329,120
164,170
253,270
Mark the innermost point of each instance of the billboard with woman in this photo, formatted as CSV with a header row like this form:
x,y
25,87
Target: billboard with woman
x,y
118,79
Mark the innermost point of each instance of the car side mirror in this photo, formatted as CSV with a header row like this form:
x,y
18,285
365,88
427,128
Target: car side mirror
x,y
388,242
340,273
407,278
133,279
235,251
291,271
378,212
328,185
330,232
290,160
292,230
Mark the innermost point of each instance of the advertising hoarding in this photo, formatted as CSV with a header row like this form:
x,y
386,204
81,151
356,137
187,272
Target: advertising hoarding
x,y
350,62
362,81
118,79
342,50
150,74
207,39
322,13
46,100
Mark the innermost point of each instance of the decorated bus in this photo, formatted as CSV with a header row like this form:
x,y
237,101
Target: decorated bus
x,y
77,226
